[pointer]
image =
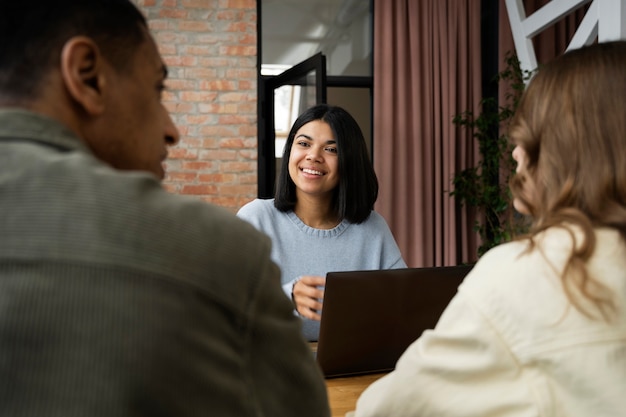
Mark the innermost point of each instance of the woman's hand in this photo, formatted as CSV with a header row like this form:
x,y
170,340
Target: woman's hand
x,y
307,296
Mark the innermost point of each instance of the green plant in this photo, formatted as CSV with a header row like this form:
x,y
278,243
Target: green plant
x,y
485,186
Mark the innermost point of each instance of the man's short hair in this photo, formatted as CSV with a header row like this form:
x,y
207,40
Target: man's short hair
x,y
33,32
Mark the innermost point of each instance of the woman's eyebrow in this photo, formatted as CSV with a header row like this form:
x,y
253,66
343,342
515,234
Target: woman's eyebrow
x,y
329,141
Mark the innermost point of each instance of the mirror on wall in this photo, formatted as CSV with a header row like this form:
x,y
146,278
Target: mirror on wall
x,y
294,30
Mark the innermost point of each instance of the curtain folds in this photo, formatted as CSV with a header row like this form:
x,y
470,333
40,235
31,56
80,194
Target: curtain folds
x,y
427,69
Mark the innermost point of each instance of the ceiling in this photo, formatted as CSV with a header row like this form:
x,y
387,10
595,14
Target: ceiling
x,y
294,30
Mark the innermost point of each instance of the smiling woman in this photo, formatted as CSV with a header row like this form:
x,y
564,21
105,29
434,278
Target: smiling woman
x,y
322,217
313,167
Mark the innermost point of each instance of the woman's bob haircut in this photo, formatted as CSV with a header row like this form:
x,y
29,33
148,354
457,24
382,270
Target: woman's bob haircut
x,y
357,191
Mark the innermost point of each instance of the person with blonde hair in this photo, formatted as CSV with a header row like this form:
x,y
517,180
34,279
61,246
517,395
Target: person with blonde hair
x,y
538,328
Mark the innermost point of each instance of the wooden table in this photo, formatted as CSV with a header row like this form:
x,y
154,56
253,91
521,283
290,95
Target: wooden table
x,y
343,392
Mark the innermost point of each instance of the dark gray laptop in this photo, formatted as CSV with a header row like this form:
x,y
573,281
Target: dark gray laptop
x,y
369,318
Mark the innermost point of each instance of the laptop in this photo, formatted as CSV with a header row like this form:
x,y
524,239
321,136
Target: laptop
x,y
369,318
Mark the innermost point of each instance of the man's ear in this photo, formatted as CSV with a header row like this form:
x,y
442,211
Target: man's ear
x,y
83,73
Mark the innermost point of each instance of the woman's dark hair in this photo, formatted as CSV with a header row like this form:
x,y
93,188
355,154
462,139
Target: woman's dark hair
x,y
357,191
33,33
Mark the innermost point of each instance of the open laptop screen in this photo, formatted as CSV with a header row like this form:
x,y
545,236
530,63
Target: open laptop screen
x,y
369,318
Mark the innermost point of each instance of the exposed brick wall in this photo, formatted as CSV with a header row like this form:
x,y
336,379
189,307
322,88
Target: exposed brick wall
x,y
210,47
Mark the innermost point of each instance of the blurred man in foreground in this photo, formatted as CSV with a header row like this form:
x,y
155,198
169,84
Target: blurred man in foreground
x,y
117,298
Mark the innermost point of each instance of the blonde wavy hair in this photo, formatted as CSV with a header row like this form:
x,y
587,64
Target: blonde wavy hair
x,y
571,122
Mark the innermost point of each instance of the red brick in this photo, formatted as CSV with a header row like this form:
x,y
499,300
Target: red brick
x,y
244,27
218,131
247,108
167,49
217,178
248,179
249,154
250,143
233,97
182,108
199,4
191,143
195,119
180,60
217,62
197,166
197,50
237,166
185,177
169,36
234,143
198,96
157,25
183,130
194,26
218,85
248,130
211,96
180,84
246,85
230,203
182,153
218,108
172,13
170,187
232,189
201,72
247,40
236,120
241,74
238,50
198,189
230,15
219,155
240,4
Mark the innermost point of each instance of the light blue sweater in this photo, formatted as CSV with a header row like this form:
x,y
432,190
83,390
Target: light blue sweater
x,y
302,250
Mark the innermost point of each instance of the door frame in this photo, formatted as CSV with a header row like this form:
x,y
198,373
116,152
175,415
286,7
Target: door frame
x,y
296,75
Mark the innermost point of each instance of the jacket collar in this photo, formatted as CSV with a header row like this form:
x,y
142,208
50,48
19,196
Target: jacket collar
x,y
21,124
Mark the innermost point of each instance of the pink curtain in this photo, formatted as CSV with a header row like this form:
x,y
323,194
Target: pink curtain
x,y
427,68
